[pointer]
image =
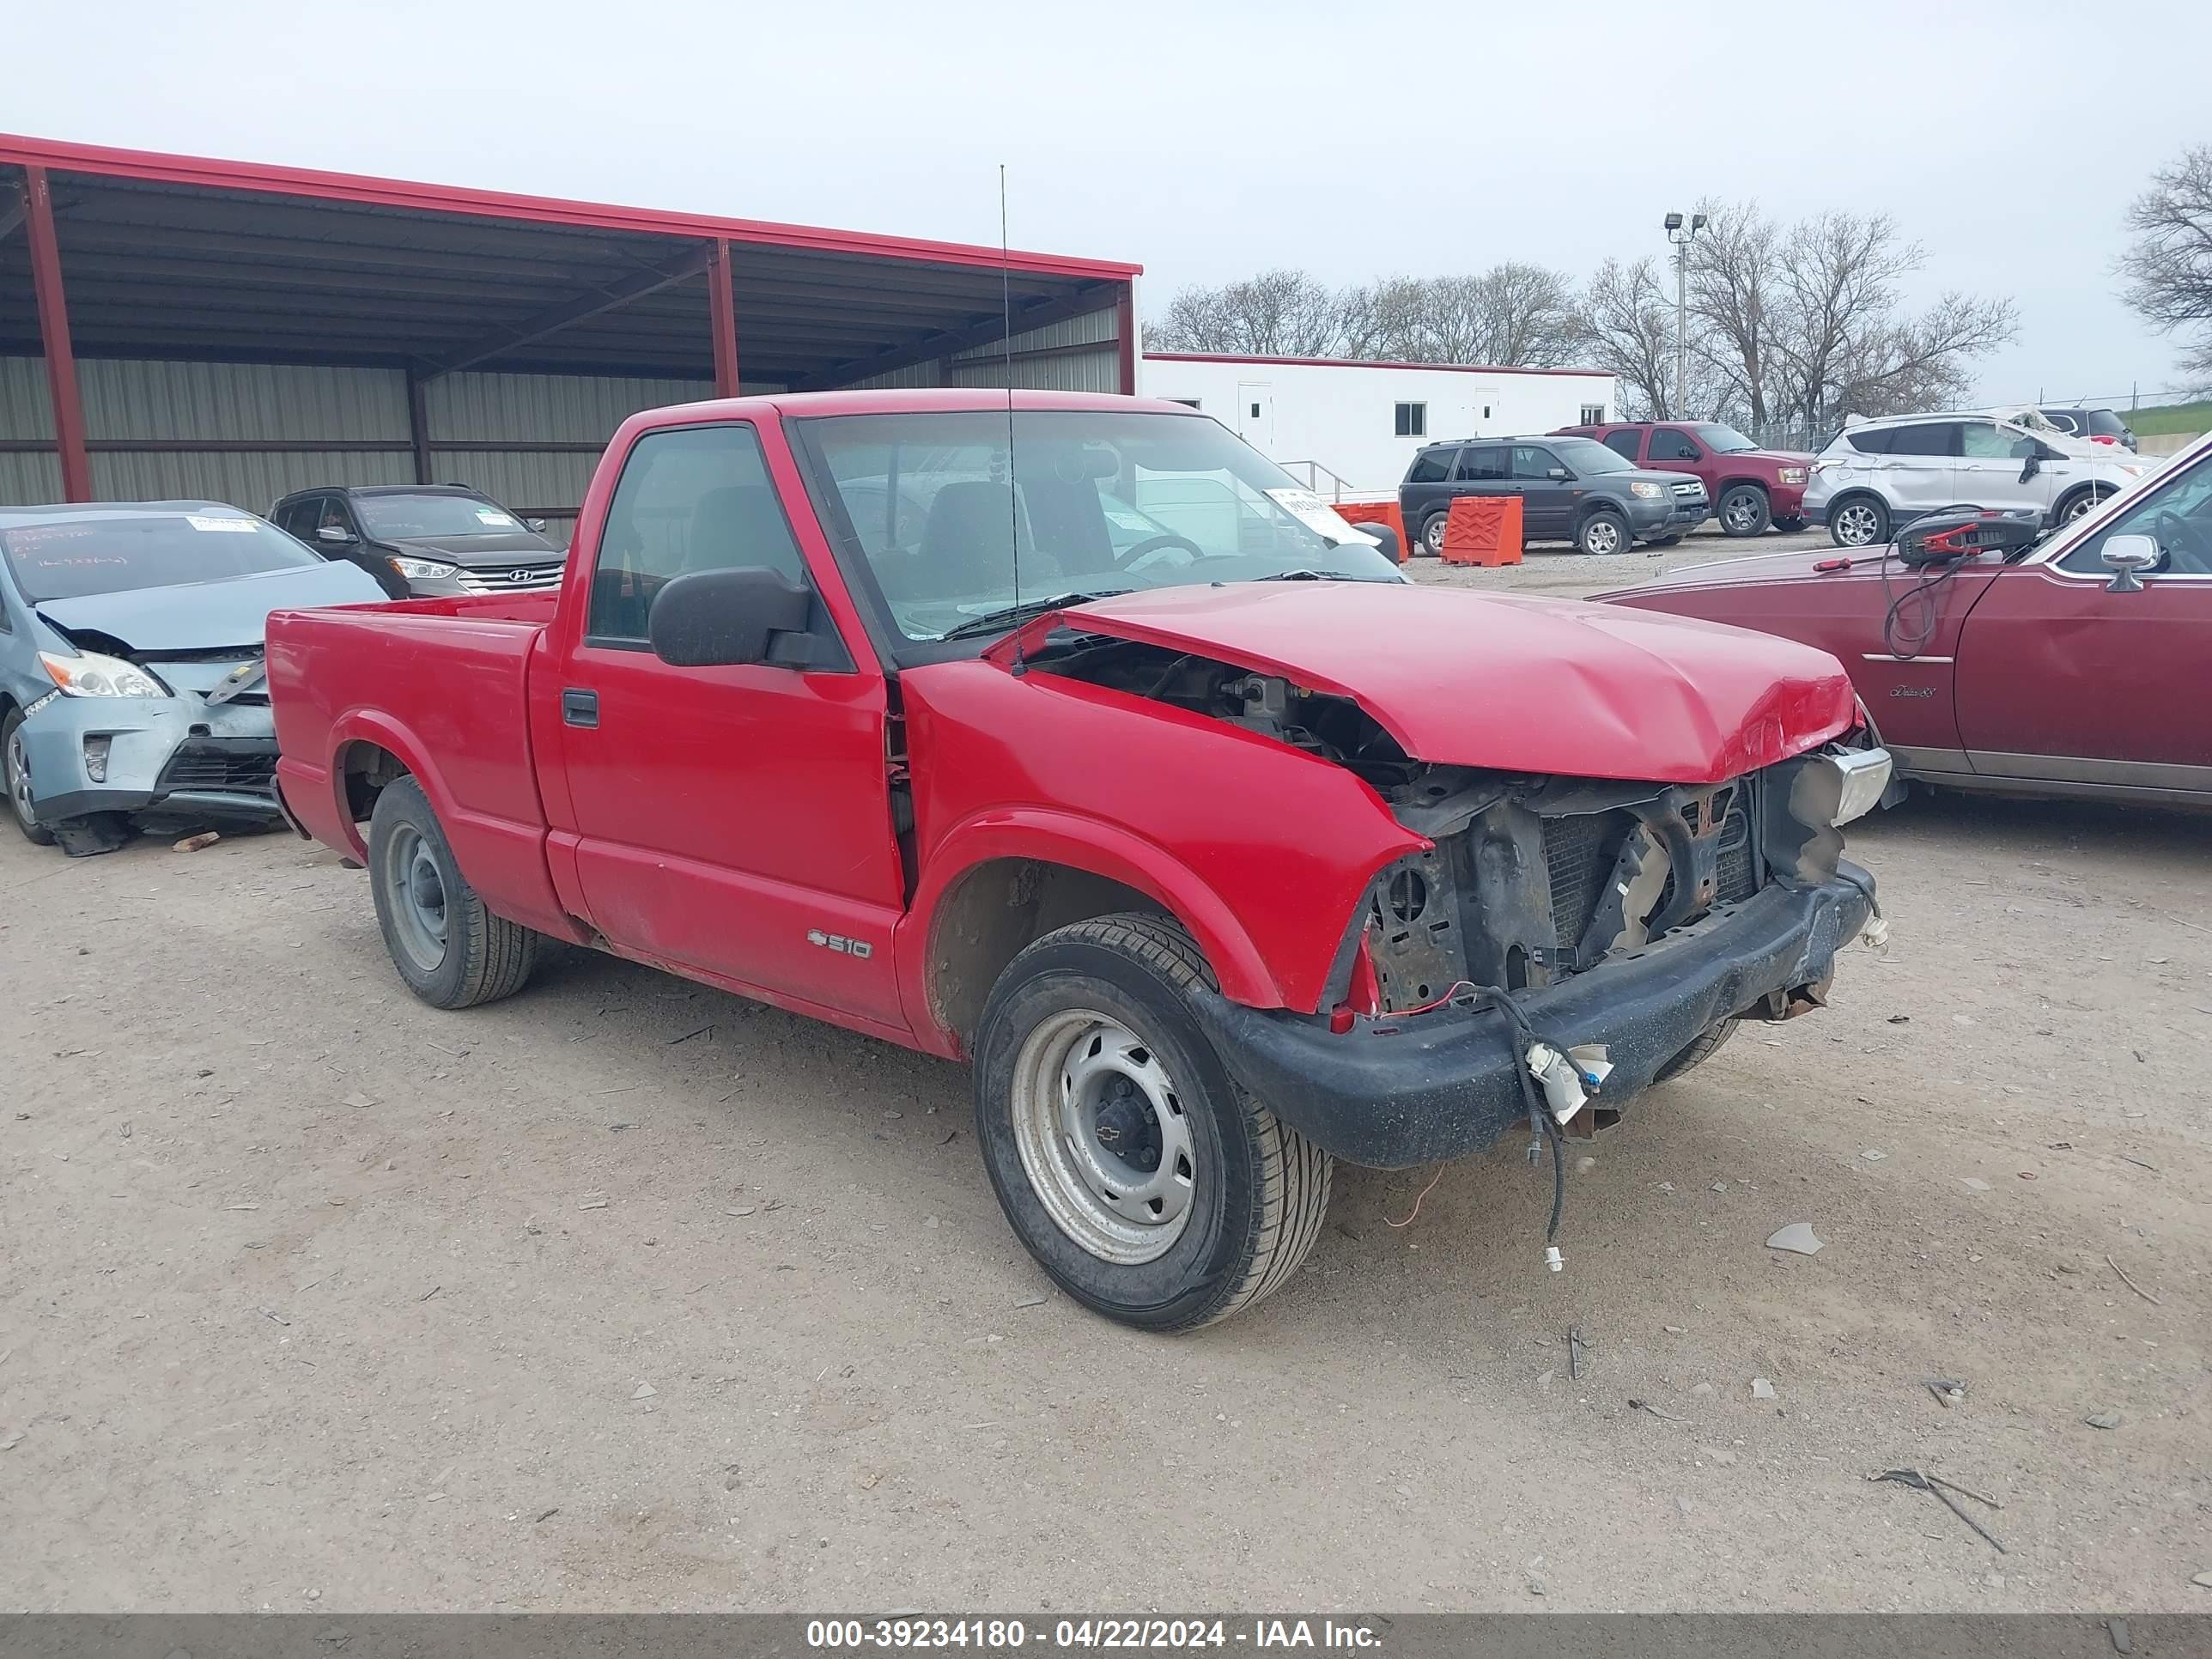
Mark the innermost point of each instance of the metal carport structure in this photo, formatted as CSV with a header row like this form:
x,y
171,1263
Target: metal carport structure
x,y
231,330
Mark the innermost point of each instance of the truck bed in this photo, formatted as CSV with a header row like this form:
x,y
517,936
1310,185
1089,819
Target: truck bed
x,y
443,685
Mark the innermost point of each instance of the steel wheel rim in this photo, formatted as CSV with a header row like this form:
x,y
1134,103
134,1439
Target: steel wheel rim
x,y
2080,508
1855,526
1603,536
19,780
1093,1104
415,889
1742,513
1433,537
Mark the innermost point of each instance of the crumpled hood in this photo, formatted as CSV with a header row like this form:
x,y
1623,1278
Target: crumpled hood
x,y
1500,681
205,616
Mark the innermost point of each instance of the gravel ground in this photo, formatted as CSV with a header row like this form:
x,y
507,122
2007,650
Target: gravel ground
x,y
625,1295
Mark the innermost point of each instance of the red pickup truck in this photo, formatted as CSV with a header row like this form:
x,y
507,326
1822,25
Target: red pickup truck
x,y
1751,489
1218,850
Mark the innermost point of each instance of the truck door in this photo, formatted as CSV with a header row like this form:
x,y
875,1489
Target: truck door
x,y
734,819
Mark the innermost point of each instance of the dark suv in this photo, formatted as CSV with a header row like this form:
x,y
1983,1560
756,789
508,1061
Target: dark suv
x,y
421,540
1571,489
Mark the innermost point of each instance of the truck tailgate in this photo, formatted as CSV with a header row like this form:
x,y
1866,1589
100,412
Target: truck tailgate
x,y
441,684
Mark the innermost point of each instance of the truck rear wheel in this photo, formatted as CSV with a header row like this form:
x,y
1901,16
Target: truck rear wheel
x,y
1140,1175
451,951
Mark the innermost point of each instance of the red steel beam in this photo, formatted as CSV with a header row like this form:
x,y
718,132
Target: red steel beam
x,y
722,312
54,336
1125,328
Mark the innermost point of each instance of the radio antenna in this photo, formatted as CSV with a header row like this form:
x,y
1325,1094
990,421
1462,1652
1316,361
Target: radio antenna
x,y
1007,348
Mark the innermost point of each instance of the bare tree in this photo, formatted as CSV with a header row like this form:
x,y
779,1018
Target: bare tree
x,y
1734,283
1383,320
1625,325
1277,313
2168,267
1841,347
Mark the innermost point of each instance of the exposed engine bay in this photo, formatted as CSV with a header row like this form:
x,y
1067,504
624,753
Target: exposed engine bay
x,y
1530,878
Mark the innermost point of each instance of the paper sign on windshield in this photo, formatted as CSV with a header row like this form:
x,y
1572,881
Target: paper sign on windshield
x,y
233,526
1316,515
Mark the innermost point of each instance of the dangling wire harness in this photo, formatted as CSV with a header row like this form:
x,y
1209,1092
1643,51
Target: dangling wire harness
x,y
1544,1127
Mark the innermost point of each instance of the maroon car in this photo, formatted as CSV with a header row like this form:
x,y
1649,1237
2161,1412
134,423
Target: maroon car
x,y
1750,488
2060,668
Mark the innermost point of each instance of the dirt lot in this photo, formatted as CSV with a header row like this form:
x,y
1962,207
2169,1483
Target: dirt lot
x,y
626,1295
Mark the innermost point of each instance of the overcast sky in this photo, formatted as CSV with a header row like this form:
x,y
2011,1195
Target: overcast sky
x,y
1207,141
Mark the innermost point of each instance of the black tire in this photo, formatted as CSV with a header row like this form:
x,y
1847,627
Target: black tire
x,y
1432,542
1258,1189
483,956
1744,511
1709,1043
1842,512
34,832
1605,532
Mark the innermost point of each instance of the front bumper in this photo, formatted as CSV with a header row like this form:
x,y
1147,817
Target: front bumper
x,y
1394,1092
174,753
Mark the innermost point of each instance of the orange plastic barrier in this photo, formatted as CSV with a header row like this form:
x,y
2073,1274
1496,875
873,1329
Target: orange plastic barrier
x,y
1383,512
1483,530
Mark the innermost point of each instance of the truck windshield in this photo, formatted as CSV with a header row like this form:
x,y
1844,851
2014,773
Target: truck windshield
x,y
74,558
403,518
1722,439
1091,501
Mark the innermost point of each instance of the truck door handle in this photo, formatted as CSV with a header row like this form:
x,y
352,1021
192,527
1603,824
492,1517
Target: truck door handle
x,y
579,708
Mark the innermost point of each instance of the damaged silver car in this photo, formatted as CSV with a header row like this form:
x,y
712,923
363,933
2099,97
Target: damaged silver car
x,y
130,663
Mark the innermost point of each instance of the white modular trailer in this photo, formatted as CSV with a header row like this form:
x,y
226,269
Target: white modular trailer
x,y
1351,427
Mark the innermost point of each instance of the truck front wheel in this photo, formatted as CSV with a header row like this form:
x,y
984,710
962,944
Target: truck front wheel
x,y
1707,1044
451,951
1149,1185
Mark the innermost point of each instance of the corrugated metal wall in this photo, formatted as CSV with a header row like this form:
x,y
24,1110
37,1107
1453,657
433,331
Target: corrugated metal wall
x,y
1084,356
549,429
26,417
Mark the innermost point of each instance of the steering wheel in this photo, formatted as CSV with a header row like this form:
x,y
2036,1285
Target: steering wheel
x,y
1152,546
2174,530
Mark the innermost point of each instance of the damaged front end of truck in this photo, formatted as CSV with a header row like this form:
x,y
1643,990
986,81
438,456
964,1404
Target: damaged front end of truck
x,y
1628,920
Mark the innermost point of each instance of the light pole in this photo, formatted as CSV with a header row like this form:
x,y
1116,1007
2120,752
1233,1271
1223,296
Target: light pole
x,y
1681,235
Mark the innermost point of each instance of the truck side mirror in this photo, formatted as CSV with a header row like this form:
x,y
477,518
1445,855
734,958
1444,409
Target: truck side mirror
x,y
720,618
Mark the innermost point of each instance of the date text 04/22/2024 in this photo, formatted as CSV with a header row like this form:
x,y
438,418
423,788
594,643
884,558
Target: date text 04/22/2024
x,y
1010,1635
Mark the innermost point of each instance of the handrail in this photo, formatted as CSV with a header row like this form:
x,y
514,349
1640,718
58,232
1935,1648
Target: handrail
x,y
1314,468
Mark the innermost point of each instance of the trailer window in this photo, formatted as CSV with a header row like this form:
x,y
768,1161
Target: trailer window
x,y
1412,420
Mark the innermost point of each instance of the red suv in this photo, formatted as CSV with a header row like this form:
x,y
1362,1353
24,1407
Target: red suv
x,y
1751,489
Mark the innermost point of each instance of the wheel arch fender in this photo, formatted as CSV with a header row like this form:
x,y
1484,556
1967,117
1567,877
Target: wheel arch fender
x,y
1089,846
373,728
